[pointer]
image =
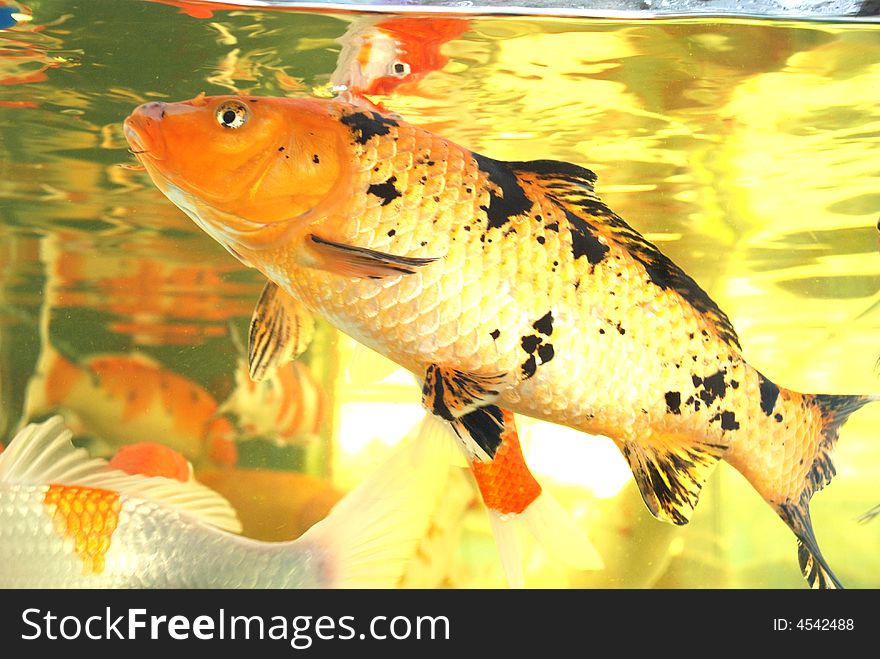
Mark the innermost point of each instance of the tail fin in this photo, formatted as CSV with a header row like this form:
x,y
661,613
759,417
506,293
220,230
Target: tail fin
x,y
834,410
552,526
372,533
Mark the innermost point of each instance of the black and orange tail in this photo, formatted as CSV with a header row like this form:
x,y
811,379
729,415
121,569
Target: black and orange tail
x,y
835,411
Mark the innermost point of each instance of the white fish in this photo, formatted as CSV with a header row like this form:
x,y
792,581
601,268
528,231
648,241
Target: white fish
x,y
68,520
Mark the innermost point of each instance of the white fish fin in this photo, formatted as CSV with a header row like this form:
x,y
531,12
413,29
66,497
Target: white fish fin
x,y
280,331
559,535
506,532
42,453
372,533
552,527
366,366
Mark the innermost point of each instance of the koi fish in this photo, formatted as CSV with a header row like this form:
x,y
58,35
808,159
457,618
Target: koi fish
x,y
503,286
286,404
379,56
67,520
131,398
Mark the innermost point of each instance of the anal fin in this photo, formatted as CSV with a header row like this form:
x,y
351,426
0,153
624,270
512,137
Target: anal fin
x,y
362,262
281,330
670,471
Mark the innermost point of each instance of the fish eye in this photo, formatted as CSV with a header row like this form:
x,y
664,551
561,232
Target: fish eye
x,y
399,69
232,114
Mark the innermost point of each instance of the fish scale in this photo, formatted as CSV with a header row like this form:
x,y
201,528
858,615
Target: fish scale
x,y
507,286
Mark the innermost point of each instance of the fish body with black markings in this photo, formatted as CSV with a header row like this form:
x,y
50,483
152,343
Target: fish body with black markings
x,y
503,286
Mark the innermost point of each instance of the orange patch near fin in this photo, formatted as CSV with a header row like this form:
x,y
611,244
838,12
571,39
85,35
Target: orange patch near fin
x,y
87,516
151,459
506,483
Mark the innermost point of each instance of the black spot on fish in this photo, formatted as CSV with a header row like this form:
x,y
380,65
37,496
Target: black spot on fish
x,y
713,387
467,227
620,329
544,324
584,241
364,126
545,352
769,394
530,343
601,330
495,334
385,191
529,367
281,148
541,240
778,418
673,402
697,380
512,200
392,233
553,227
734,384
728,421
316,160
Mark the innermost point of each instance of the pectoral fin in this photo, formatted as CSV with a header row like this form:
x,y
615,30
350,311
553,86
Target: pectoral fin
x,y
361,262
281,330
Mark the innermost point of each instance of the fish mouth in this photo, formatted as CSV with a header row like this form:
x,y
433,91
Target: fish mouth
x,y
138,142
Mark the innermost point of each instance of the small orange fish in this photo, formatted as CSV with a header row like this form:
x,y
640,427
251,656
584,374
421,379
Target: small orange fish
x,y
127,399
501,286
378,56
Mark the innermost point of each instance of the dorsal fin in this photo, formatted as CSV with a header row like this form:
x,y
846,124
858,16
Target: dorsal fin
x,y
571,187
42,454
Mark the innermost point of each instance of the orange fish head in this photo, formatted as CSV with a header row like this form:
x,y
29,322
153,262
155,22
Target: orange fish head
x,y
248,170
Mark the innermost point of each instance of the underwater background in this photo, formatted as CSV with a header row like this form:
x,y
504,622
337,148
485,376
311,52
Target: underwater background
x,y
746,149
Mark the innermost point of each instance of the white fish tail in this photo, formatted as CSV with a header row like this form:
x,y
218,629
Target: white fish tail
x,y
560,537
372,533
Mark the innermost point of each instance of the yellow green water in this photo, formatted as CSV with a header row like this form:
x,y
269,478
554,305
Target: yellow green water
x,y
748,150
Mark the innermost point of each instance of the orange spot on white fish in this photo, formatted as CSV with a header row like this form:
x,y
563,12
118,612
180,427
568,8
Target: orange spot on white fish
x,y
505,482
151,459
87,517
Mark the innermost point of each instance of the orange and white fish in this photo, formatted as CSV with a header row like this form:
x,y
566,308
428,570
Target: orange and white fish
x,y
500,285
130,398
67,520
284,403
381,54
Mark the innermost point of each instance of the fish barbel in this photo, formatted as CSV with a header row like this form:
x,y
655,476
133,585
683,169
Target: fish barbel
x,y
503,286
71,521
